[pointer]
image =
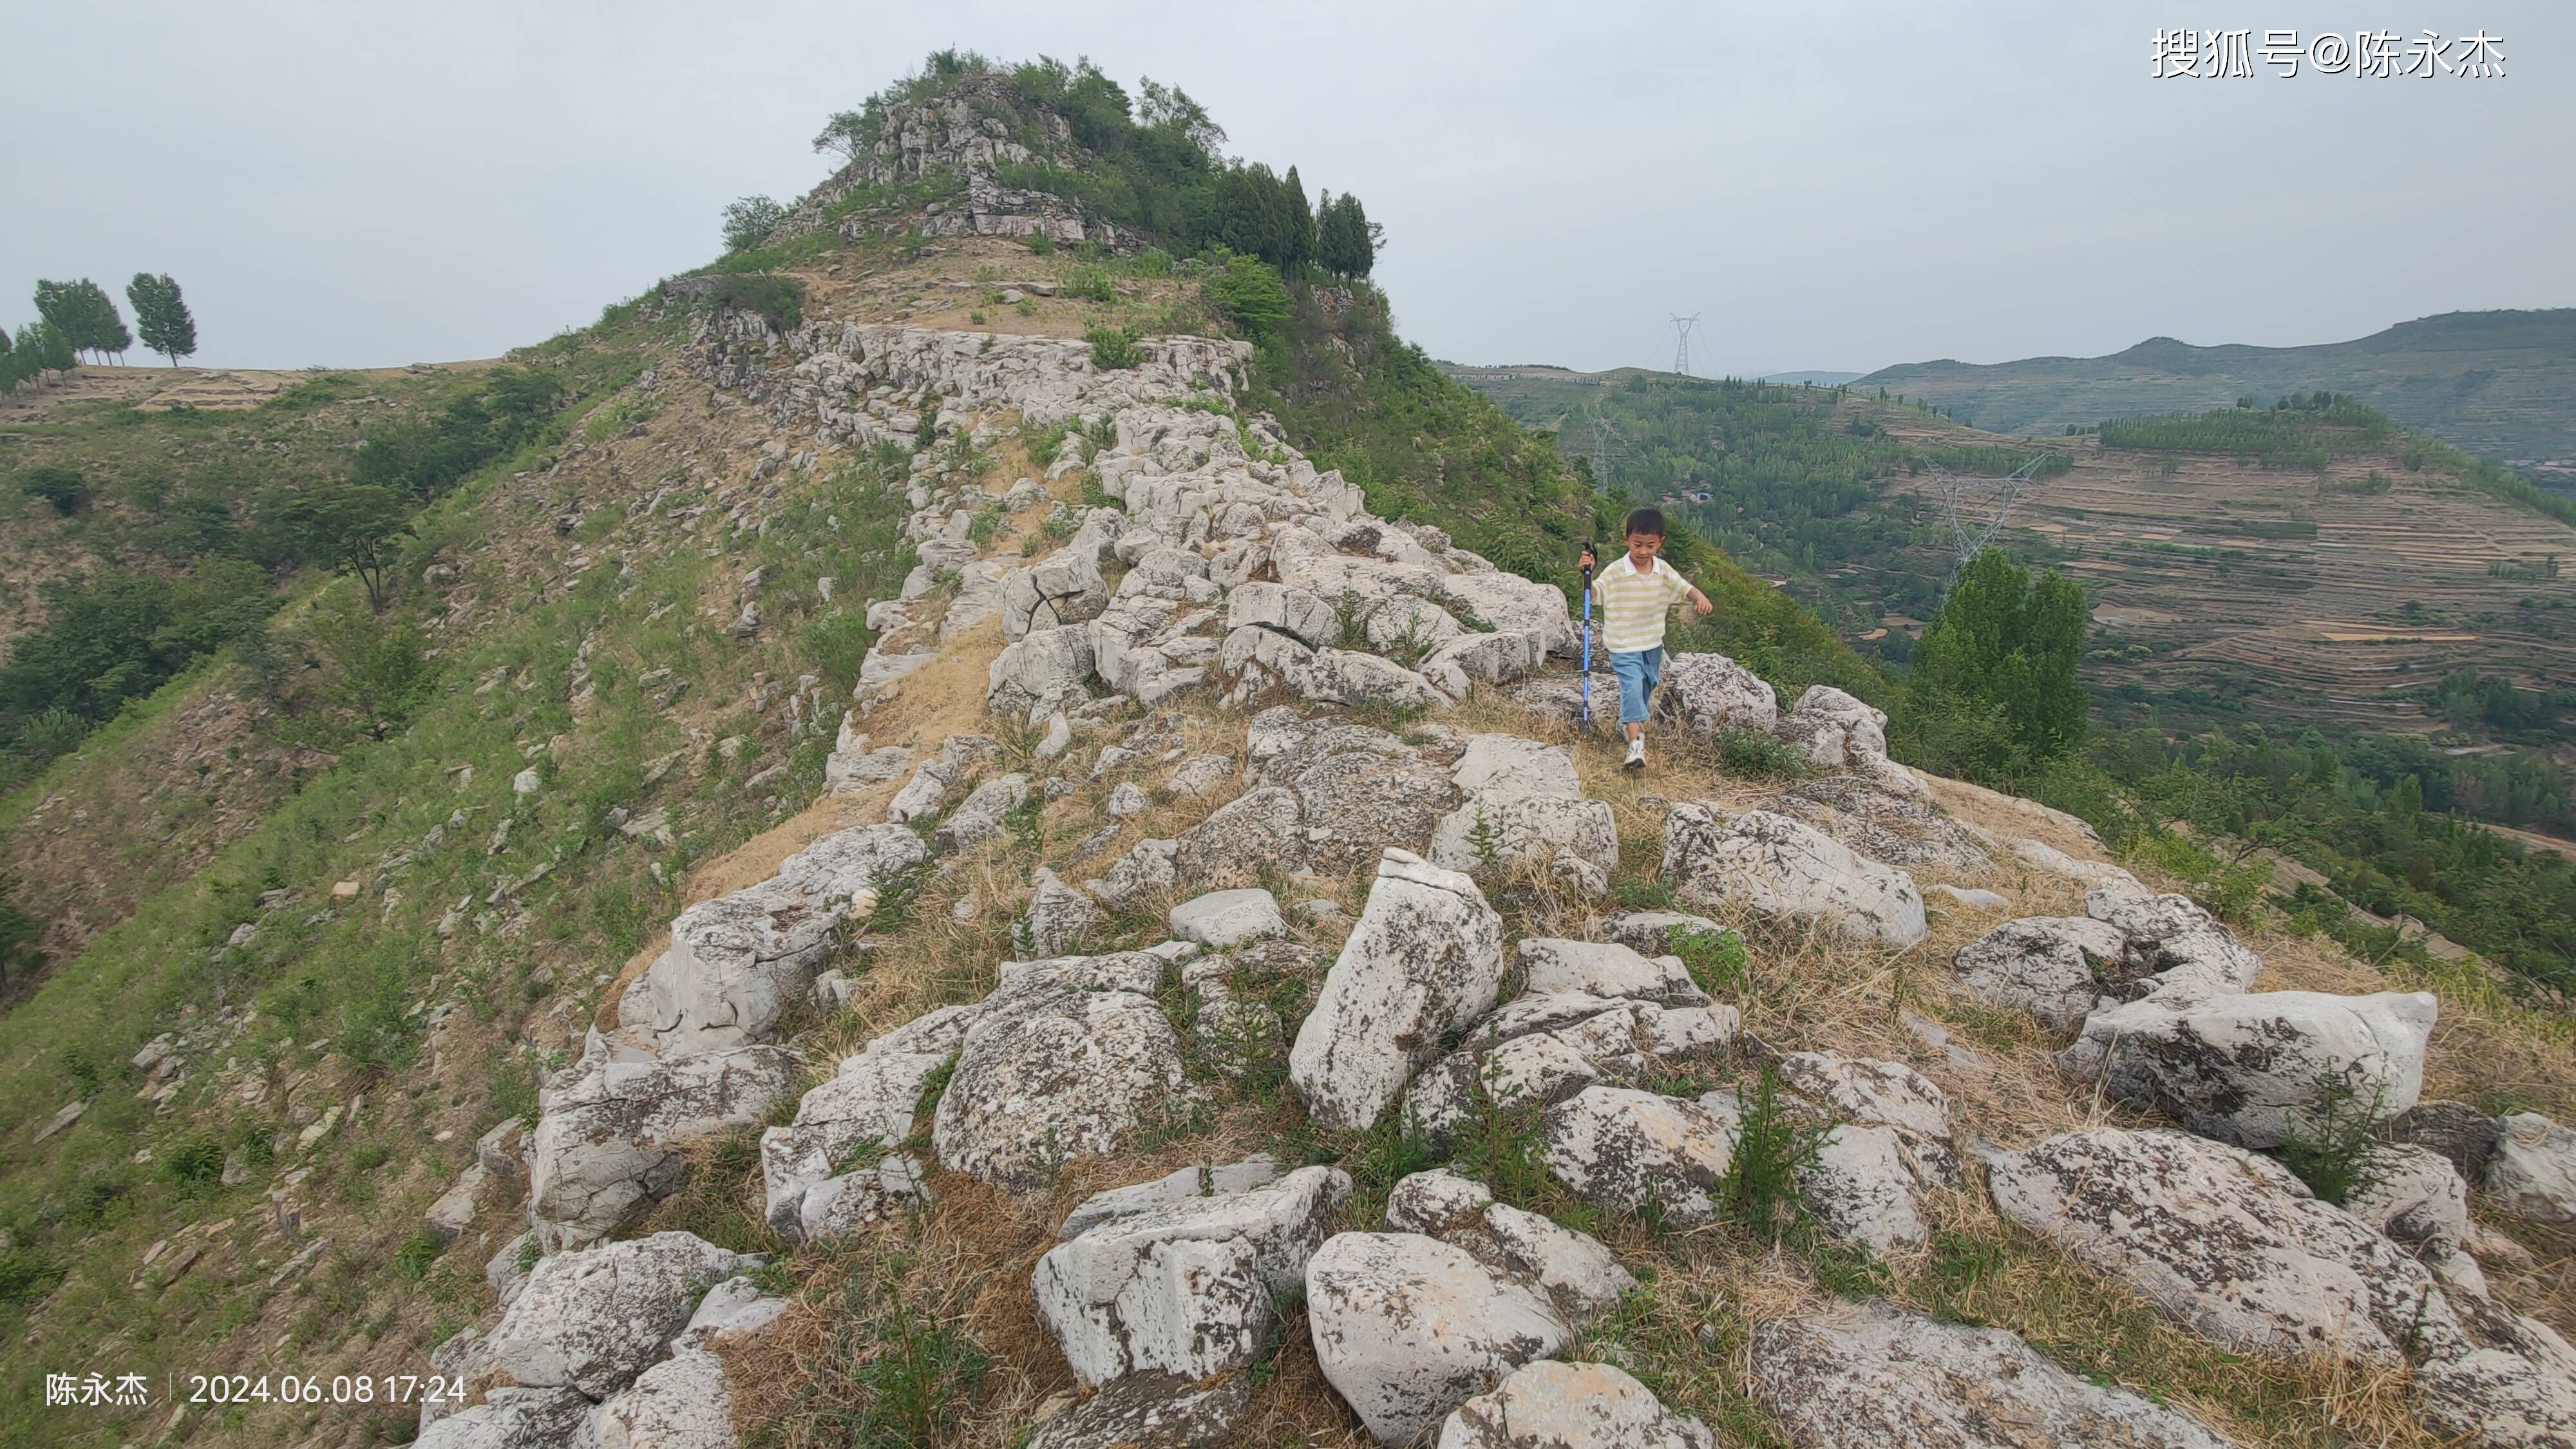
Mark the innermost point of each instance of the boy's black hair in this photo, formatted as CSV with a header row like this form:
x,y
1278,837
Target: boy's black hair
x,y
1644,520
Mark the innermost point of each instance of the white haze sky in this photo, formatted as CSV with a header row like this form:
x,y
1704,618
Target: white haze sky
x,y
1830,185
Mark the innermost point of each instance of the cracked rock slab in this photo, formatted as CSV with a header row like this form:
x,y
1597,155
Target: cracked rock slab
x,y
1408,1328
1425,959
1863,1376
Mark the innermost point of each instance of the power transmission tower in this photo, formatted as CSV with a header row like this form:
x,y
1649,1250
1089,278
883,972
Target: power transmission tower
x,y
1681,342
1607,446
1965,505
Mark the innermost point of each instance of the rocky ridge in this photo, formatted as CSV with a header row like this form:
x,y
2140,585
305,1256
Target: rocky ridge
x,y
1225,571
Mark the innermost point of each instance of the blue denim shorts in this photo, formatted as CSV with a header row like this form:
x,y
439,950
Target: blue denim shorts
x,y
1639,672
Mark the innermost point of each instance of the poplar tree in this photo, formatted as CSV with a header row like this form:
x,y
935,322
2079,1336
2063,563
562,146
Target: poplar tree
x,y
161,316
83,313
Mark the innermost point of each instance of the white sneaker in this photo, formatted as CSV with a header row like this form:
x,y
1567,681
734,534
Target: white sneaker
x,y
1636,754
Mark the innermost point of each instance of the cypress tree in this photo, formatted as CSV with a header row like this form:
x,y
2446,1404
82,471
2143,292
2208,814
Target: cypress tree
x,y
161,315
1297,223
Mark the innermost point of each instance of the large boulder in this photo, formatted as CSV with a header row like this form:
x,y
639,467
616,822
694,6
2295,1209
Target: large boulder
x,y
1059,919
1498,764
1605,968
1185,1287
1408,1328
1294,612
1578,1274
514,1418
1043,670
611,1133
593,1320
1424,960
867,1105
2234,1247
1223,919
1150,1411
1866,1375
1706,693
1888,824
1545,1047
2531,1170
2057,968
1551,1405
1891,1146
2126,946
1067,1057
1622,1149
2259,1070
981,815
1575,838
1063,588
686,1400
737,962
1836,731
1780,867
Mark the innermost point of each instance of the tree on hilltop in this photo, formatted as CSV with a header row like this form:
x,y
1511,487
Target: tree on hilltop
x,y
161,315
1994,693
748,222
83,313
1345,239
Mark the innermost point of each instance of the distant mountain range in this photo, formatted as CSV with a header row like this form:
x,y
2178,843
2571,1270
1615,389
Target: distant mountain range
x,y
2500,385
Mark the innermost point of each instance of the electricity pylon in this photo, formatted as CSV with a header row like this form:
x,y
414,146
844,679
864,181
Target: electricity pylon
x,y
1681,342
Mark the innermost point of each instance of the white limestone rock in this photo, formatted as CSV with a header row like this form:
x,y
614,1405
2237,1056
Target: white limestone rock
x,y
610,1133
2247,1069
1551,1405
1059,919
1578,1275
923,794
1425,959
1836,731
1294,612
1519,829
1886,822
2531,1172
1174,1189
1067,1058
1044,668
514,1418
1867,1375
2057,968
1063,588
2232,1246
1779,867
1185,1288
1223,919
1650,933
1619,1148
1150,1411
736,963
978,817
1706,693
1595,968
1508,764
593,1320
1408,1328
867,1104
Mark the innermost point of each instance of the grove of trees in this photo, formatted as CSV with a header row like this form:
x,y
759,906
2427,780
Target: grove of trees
x,y
78,317
1993,695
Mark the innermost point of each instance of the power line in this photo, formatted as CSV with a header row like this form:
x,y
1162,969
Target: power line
x,y
1681,342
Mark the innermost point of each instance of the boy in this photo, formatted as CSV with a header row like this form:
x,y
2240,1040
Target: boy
x,y
1634,594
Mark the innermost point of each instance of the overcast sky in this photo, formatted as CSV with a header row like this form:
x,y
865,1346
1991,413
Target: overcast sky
x,y
1829,185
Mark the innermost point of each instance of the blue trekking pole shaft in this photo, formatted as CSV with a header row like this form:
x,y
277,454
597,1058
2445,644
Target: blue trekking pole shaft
x,y
1587,646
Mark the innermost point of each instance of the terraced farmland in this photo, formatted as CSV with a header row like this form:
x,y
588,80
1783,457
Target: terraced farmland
x,y
2294,595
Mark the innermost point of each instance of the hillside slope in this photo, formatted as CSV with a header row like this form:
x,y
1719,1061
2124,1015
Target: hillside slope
x,y
2499,385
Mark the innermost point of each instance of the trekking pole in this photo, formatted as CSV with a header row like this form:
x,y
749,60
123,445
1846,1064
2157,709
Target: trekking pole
x,y
1587,642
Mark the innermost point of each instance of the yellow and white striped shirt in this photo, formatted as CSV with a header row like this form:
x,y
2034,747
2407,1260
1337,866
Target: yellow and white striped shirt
x,y
1633,604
